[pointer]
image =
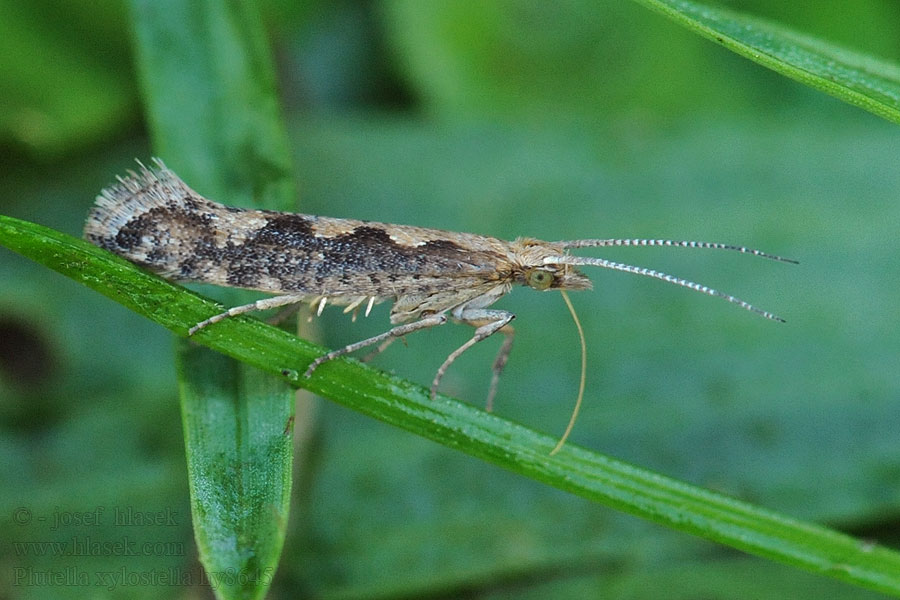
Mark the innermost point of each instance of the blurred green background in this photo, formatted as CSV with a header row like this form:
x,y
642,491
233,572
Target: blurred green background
x,y
554,120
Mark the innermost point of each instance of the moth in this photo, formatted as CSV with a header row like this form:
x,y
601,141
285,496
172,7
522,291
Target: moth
x,y
155,220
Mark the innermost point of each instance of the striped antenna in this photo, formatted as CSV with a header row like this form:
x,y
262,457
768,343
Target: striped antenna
x,y
580,261
672,244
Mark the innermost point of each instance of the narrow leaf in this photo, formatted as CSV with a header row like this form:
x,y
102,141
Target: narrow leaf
x,y
851,76
390,399
236,428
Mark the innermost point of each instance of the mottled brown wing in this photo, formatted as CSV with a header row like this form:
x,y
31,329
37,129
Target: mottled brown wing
x,y
154,219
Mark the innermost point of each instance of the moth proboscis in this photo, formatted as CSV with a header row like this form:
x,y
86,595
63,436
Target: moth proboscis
x,y
154,219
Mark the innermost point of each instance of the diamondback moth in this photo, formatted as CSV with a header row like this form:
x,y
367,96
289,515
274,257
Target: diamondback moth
x,y
155,220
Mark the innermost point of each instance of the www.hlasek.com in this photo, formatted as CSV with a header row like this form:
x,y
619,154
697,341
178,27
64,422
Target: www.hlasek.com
x,y
88,546
125,577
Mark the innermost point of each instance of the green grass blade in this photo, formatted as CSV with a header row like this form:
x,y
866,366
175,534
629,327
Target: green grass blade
x,y
210,95
209,88
599,478
853,77
238,497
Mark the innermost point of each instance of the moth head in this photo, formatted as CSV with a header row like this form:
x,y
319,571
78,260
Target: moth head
x,y
556,277
534,267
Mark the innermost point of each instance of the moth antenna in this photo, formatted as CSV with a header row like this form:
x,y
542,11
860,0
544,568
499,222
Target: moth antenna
x,y
577,408
673,244
608,264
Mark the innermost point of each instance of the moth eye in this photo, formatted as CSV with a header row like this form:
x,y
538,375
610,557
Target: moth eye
x,y
539,280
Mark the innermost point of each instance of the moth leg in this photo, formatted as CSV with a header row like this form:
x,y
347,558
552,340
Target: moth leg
x,y
378,350
395,332
264,304
488,322
284,314
499,363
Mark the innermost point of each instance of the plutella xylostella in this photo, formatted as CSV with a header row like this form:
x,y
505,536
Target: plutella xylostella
x,y
154,219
